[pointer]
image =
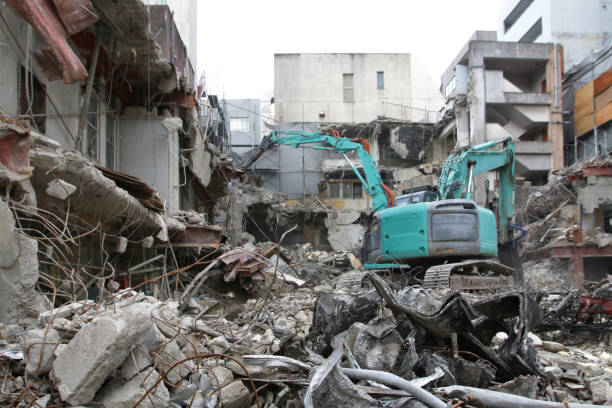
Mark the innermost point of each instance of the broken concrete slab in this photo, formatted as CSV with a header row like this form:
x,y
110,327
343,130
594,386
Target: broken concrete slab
x,y
118,395
99,348
39,346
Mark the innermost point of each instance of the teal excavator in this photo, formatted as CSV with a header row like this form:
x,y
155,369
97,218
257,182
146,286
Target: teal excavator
x,y
451,236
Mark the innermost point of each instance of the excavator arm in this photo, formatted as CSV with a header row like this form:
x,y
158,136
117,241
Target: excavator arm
x,y
382,196
459,169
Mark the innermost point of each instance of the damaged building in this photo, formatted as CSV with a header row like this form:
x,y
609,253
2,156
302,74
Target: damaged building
x,y
159,249
103,147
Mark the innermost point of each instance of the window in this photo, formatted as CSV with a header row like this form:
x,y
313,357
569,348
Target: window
x,y
111,140
380,80
93,126
347,85
31,99
347,190
516,13
334,190
534,32
239,124
357,190
450,87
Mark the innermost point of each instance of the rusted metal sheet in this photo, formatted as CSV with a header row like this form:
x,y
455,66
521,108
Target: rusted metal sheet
x,y
137,188
14,150
41,14
185,100
46,60
208,236
76,15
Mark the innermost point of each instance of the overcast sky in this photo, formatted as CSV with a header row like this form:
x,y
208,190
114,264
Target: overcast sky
x,y
237,39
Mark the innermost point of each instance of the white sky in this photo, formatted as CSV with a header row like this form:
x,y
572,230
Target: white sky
x,y
237,39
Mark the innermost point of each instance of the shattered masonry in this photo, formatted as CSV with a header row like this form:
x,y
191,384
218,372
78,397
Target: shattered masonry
x,y
143,263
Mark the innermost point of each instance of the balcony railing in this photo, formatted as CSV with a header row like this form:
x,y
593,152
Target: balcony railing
x,y
390,110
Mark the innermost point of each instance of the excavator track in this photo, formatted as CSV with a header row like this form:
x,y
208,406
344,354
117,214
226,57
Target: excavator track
x,y
468,275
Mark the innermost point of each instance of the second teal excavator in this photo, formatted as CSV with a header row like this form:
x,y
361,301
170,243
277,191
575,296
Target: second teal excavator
x,y
452,228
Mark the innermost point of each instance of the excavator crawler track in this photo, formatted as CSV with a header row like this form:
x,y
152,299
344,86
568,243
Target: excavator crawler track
x,y
469,275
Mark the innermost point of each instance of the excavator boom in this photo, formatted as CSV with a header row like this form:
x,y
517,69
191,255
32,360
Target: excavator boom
x,y
381,195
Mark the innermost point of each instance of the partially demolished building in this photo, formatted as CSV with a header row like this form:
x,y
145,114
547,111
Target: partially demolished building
x,y
152,255
101,131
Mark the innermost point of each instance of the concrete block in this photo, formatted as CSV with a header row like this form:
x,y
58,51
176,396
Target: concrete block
x,y
136,361
601,391
148,242
220,376
553,346
167,318
38,347
117,395
60,189
121,246
169,356
346,237
99,348
9,251
235,395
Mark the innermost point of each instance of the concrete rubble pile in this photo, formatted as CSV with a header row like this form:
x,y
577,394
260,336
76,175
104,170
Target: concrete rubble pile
x,y
299,339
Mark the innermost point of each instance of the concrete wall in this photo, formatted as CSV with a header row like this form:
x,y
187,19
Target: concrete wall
x,y
580,26
306,85
149,151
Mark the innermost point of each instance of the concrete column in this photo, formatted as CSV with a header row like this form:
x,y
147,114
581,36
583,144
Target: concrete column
x,y
554,74
463,125
477,123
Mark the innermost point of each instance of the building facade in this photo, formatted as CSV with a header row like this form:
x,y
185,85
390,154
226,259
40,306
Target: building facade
x,y
352,88
579,26
501,89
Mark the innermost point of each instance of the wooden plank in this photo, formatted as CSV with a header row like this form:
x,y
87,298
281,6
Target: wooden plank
x,y
583,102
604,115
603,82
584,125
603,98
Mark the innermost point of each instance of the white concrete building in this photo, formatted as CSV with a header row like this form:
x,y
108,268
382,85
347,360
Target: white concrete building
x,y
581,26
501,89
353,88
